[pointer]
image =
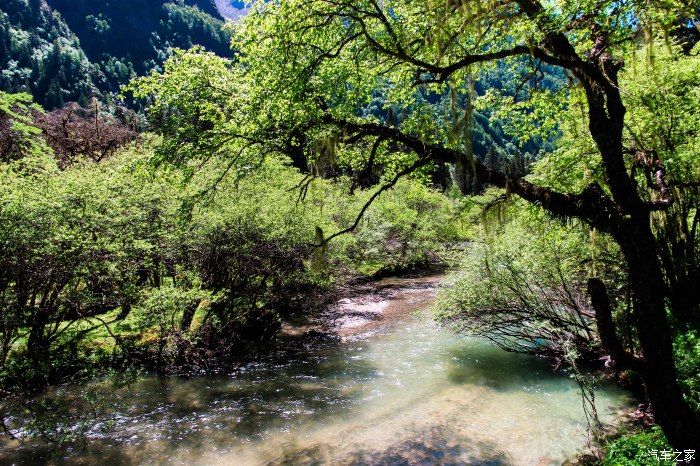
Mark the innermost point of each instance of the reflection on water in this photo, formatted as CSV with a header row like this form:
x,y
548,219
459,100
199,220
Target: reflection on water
x,y
401,394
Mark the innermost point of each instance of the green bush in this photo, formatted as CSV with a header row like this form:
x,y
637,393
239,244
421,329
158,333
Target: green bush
x,y
636,449
687,352
102,262
522,283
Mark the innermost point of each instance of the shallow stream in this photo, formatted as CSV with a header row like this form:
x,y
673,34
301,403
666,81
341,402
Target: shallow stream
x,y
393,389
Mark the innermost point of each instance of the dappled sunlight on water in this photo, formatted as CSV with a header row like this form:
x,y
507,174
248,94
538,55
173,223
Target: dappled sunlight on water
x,y
403,392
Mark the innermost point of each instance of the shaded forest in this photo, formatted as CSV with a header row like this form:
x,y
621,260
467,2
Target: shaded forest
x,y
63,52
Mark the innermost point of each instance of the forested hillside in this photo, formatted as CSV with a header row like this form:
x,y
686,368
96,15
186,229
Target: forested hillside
x,y
139,33
66,51
41,55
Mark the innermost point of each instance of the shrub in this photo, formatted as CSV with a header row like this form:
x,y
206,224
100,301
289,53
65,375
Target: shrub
x,y
74,132
522,287
687,352
635,449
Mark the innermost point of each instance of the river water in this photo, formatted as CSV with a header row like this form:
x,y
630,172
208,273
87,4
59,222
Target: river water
x,y
392,389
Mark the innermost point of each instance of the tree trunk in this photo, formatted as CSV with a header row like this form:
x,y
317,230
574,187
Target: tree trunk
x,y
631,228
606,326
188,315
37,344
678,421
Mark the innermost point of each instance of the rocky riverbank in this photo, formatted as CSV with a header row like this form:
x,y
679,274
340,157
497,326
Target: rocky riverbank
x,y
364,307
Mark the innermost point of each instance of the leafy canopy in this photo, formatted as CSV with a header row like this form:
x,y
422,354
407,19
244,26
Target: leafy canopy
x,y
321,78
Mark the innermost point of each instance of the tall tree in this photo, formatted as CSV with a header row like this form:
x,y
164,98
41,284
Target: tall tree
x,y
310,67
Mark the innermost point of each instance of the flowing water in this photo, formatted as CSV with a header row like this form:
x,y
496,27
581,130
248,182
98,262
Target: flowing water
x,y
394,389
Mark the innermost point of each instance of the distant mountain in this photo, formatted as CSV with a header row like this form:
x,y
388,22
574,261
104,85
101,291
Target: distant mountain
x,y
72,50
39,54
231,9
139,30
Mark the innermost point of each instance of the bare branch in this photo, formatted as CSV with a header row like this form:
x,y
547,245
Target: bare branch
x,y
406,171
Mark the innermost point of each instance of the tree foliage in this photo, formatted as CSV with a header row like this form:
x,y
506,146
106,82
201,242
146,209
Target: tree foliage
x,y
105,264
307,71
523,285
62,52
18,131
74,132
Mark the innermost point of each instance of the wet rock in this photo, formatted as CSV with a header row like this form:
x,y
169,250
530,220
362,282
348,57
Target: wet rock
x,y
313,338
438,446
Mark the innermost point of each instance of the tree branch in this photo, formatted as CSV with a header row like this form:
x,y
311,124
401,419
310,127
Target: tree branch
x,y
591,205
410,169
606,327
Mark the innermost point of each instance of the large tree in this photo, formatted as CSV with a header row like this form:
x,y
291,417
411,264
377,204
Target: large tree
x,y
307,70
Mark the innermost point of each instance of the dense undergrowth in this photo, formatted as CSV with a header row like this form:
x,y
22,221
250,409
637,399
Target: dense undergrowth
x,y
119,266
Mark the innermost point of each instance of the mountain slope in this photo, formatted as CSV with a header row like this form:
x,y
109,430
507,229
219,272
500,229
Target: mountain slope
x,y
39,54
73,50
139,31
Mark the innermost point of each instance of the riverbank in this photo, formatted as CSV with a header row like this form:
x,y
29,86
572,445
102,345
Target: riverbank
x,y
382,385
368,305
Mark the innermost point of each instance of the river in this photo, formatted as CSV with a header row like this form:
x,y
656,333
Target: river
x,y
392,388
